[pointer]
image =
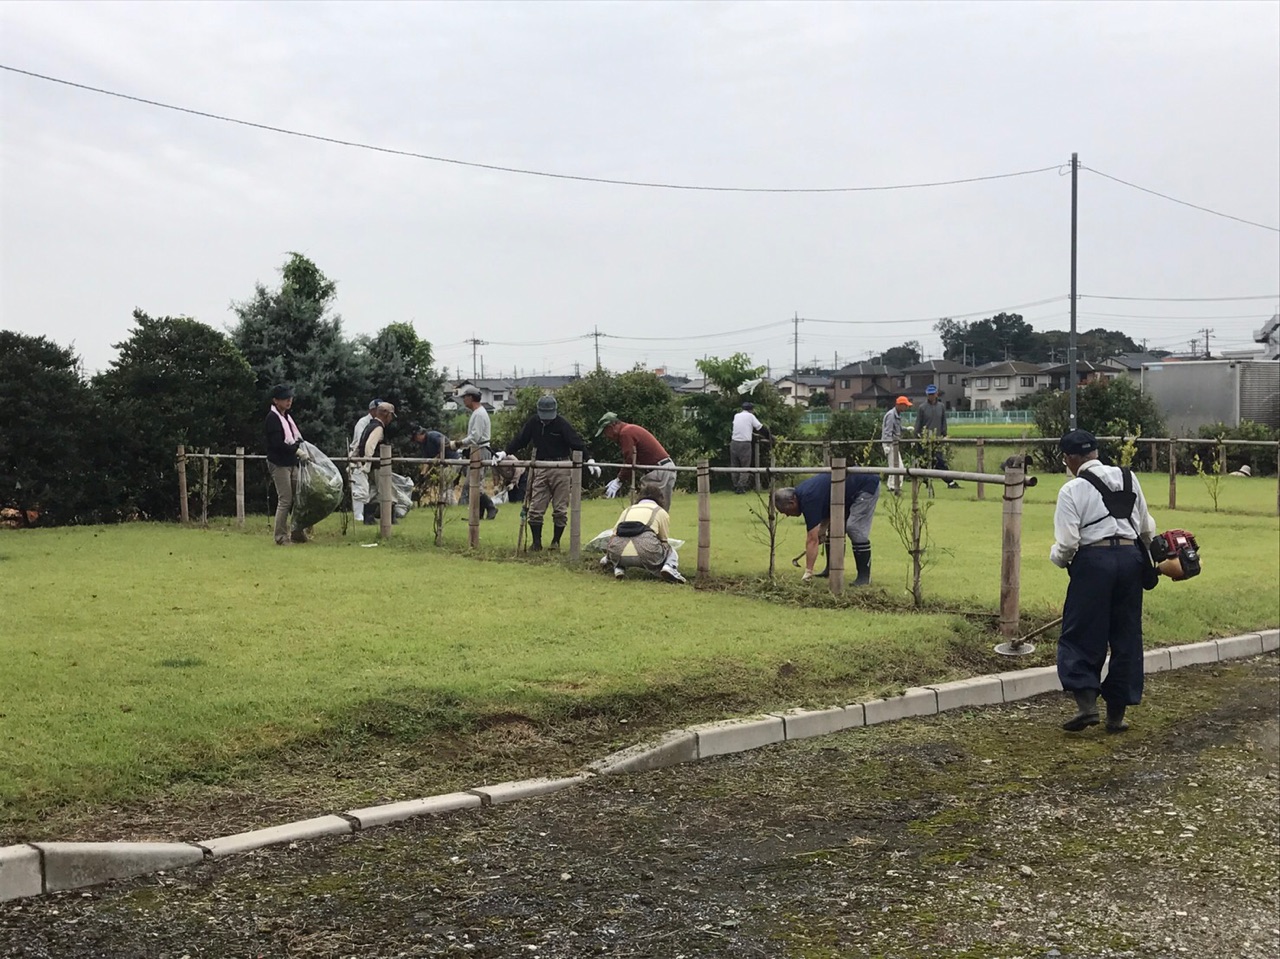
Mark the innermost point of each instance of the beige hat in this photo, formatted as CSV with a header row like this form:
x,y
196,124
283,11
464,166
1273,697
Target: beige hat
x,y
386,408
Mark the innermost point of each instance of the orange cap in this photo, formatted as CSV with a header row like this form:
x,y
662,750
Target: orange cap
x,y
901,400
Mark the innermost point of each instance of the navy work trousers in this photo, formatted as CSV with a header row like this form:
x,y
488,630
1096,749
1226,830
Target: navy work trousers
x,y
1103,612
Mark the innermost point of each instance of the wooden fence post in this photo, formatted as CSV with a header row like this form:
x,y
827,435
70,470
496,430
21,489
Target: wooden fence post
x,y
240,487
771,513
1278,480
1011,551
575,509
204,490
473,499
386,500
1222,458
1155,457
704,519
982,487
835,529
183,513
1173,474
441,496
826,453
917,595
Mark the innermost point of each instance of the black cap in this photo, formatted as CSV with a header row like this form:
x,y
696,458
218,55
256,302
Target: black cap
x,y
417,428
748,406
1078,443
282,392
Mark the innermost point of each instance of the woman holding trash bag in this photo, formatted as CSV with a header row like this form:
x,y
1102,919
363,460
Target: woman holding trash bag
x,y
284,452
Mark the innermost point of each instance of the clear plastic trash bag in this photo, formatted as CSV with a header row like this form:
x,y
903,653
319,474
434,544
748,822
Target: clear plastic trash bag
x,y
319,488
401,495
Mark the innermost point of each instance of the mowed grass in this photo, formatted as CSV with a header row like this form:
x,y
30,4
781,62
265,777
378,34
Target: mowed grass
x,y
141,655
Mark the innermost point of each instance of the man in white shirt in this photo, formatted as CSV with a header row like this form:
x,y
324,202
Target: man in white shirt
x,y
745,425
1100,542
359,477
891,436
478,436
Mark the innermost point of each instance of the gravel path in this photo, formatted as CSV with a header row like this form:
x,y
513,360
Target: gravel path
x,y
982,834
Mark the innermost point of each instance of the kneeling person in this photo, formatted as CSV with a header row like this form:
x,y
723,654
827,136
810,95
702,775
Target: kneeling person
x,y
640,539
812,499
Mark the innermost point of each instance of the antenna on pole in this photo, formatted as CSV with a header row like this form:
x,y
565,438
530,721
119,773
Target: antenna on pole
x,y
1071,342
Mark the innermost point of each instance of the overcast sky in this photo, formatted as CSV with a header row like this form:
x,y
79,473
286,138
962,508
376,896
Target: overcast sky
x,y
108,205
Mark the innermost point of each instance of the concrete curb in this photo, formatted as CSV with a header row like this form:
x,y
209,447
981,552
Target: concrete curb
x,y
33,868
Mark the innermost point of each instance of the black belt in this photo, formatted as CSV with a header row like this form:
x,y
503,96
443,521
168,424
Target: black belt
x,y
666,462
1112,541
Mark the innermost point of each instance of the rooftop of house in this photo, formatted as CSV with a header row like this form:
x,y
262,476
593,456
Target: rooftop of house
x,y
939,366
1007,368
868,369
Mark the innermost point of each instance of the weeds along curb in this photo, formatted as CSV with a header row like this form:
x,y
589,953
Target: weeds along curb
x,y
32,869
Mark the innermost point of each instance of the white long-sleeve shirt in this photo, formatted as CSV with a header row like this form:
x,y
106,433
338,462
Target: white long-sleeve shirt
x,y
1079,504
744,421
479,429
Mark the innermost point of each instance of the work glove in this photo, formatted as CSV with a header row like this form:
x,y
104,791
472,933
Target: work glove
x,y
808,575
303,455
498,457
613,488
592,468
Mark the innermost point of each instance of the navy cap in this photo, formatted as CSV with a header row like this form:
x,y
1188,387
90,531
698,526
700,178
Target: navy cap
x,y
547,408
748,406
1078,443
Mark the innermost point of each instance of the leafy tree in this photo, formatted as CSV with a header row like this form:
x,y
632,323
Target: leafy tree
x,y
908,354
1003,336
1096,345
855,436
175,381
819,400
1101,407
398,365
45,421
288,336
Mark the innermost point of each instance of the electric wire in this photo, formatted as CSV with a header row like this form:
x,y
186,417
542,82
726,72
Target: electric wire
x,y
1178,299
518,170
1194,206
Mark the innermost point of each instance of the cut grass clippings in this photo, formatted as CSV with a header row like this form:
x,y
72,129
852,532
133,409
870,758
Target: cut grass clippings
x,y
144,658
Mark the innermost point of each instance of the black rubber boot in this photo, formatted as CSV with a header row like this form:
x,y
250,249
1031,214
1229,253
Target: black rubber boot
x,y
862,559
556,532
1115,719
1087,711
535,537
487,509
826,562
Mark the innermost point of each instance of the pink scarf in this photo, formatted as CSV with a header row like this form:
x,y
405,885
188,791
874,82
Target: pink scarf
x,y
291,434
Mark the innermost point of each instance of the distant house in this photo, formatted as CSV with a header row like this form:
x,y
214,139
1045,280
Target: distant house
x,y
1269,337
696,386
995,384
866,386
1131,363
1086,372
796,390
501,393
948,376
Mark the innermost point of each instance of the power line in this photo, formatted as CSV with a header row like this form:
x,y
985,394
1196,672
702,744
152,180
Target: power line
x,y
1179,299
1165,196
506,169
935,319
1147,316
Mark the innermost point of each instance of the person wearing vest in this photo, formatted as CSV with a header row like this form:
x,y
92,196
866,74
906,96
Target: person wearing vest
x,y
284,452
1101,527
357,503
374,435
640,539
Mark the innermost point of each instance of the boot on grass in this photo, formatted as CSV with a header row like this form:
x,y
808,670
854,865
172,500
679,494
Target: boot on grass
x,y
1115,719
862,559
556,532
535,537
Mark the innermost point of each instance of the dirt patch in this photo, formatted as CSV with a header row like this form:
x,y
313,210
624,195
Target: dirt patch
x,y
982,834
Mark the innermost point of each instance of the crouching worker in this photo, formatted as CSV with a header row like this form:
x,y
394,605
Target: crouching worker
x,y
812,500
640,539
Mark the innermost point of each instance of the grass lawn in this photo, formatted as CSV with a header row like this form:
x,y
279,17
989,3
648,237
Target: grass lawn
x,y
142,655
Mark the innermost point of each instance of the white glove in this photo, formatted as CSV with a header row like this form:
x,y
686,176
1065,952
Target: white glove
x,y
592,468
613,488
808,575
303,455
498,457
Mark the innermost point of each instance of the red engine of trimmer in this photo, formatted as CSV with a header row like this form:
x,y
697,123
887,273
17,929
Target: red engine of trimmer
x,y
1176,554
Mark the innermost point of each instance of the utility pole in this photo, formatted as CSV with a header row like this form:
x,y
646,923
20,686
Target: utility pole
x,y
796,340
475,345
1206,331
1071,342
597,334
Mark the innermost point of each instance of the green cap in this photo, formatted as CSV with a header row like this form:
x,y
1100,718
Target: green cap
x,y
605,421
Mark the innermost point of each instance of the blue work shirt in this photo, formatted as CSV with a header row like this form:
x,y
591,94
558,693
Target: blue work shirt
x,y
814,495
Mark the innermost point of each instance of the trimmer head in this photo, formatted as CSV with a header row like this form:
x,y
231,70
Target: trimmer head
x,y
1015,648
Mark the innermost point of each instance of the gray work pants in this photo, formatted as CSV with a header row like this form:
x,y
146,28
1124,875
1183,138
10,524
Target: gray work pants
x,y
740,457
